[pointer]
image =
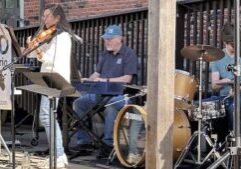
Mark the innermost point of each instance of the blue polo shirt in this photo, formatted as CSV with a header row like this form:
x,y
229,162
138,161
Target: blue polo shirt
x,y
123,63
220,67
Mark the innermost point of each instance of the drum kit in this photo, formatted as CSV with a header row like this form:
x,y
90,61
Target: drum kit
x,y
201,111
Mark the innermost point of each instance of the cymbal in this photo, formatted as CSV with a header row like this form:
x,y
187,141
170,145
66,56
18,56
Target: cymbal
x,y
208,53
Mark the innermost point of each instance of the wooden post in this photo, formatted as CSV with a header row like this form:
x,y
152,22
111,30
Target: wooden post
x,y
160,82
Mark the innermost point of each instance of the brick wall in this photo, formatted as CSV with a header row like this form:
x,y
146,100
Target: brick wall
x,y
76,9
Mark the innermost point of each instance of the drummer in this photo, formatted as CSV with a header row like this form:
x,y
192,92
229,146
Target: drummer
x,y
220,74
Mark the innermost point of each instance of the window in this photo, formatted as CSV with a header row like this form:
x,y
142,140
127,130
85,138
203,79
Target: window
x,y
10,12
10,3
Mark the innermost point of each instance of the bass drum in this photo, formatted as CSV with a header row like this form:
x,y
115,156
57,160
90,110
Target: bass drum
x,y
181,133
130,135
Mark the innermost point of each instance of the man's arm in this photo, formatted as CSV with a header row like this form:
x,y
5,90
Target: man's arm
x,y
94,76
124,79
215,79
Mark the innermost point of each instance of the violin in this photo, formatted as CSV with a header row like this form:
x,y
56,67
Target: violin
x,y
40,37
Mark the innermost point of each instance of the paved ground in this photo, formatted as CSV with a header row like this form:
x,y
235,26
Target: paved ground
x,y
24,136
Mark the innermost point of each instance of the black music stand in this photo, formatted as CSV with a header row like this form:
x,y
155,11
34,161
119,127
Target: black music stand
x,y
51,85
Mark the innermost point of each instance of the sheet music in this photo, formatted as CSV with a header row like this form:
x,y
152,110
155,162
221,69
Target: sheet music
x,y
5,76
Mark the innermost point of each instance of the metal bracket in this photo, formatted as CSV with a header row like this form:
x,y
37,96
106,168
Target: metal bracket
x,y
235,150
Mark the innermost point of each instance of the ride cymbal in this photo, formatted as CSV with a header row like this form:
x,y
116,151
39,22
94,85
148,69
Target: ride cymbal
x,y
208,53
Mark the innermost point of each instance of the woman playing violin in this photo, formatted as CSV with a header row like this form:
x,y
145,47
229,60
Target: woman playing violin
x,y
55,57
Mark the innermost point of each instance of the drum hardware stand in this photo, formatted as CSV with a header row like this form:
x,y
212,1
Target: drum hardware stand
x,y
199,132
111,157
213,151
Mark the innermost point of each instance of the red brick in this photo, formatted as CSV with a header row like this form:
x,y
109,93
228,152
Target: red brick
x,y
76,9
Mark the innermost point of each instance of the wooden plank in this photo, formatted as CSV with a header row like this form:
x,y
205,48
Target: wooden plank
x,y
161,69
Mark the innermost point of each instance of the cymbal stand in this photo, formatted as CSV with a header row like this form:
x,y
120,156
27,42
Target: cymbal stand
x,y
199,132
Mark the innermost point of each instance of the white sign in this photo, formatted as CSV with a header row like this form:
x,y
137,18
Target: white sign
x,y
133,116
5,76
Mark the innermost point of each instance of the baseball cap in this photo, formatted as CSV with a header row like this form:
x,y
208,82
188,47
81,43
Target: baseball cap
x,y
112,31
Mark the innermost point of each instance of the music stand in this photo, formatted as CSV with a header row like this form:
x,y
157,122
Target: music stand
x,y
51,85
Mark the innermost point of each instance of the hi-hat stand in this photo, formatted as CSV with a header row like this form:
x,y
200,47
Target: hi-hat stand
x,y
199,133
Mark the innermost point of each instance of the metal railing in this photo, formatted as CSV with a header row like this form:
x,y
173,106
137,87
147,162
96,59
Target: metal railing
x,y
134,25
197,23
201,24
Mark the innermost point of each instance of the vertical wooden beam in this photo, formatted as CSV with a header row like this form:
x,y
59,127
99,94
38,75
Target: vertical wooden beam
x,y
160,82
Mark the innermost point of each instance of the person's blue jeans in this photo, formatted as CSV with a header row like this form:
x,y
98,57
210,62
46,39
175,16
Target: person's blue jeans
x,y
229,108
86,102
135,129
45,122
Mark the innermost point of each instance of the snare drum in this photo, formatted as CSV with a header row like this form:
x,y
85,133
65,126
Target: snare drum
x,y
211,109
185,88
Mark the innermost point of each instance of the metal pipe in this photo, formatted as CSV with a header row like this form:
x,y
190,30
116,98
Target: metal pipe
x,y
236,124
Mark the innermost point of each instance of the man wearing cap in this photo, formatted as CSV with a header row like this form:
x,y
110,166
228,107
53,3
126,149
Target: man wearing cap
x,y
118,63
